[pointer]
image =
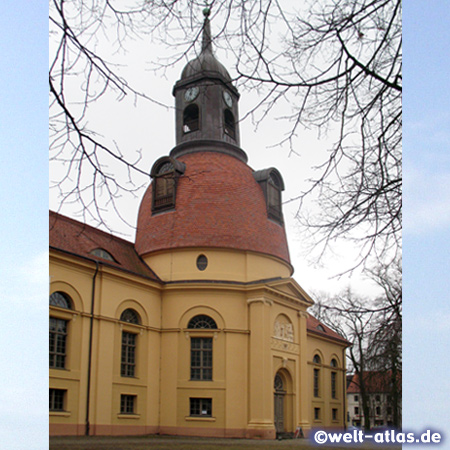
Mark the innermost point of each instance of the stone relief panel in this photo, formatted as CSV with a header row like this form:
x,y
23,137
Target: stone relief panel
x,y
283,329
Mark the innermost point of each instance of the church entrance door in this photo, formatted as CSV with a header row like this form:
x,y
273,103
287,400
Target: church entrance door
x,y
279,393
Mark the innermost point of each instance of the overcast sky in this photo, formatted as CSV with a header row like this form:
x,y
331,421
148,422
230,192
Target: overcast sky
x,y
24,202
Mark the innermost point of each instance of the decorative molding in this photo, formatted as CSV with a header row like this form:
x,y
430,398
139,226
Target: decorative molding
x,y
278,344
263,300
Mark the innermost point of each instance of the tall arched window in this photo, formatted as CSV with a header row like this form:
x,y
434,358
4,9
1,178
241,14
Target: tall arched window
x,y
316,376
229,123
191,118
202,348
58,331
129,344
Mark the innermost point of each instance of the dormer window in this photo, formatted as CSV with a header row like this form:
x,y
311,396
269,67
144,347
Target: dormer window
x,y
229,123
272,185
191,119
102,253
165,173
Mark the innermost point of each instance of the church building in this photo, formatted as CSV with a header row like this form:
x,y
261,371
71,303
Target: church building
x,y
196,328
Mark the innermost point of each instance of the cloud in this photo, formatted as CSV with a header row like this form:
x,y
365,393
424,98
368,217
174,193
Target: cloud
x,y
426,196
25,282
35,270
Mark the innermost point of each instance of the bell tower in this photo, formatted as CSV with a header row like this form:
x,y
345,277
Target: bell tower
x,y
206,102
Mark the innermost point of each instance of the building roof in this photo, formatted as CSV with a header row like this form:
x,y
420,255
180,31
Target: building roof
x,y
219,204
79,239
206,63
314,326
374,381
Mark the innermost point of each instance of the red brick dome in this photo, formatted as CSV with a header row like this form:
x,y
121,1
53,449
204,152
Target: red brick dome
x,y
219,204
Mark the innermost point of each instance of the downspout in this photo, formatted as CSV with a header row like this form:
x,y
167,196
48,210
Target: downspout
x,y
344,390
91,326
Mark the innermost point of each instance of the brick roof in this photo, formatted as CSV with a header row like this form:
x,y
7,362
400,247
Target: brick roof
x,y
312,323
218,204
80,239
375,382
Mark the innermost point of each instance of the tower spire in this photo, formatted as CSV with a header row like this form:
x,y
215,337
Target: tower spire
x,y
206,40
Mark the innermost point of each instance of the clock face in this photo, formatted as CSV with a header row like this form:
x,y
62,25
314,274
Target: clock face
x,y
228,99
191,94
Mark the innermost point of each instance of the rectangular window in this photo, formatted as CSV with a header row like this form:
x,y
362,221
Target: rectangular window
x,y
57,345
355,398
164,191
127,404
333,385
128,360
378,411
356,410
200,407
201,359
316,413
334,414
56,399
316,382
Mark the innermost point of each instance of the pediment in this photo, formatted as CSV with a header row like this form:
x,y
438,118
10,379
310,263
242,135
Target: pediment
x,y
291,288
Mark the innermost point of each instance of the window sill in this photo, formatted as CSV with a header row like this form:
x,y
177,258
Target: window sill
x,y
200,419
128,416
60,413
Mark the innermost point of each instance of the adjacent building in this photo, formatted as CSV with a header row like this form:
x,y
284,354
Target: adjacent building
x,y
197,327
378,387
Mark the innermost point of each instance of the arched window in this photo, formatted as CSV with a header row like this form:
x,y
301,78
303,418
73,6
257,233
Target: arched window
x,y
130,316
58,330
316,382
191,119
202,321
102,253
202,349
272,185
60,299
334,363
321,328
229,123
317,359
164,187
333,384
129,344
278,384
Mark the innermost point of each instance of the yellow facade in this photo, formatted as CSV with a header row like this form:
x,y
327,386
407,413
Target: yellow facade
x,y
261,332
197,328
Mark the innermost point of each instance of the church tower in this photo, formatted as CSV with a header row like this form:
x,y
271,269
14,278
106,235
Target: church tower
x,y
204,198
206,104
